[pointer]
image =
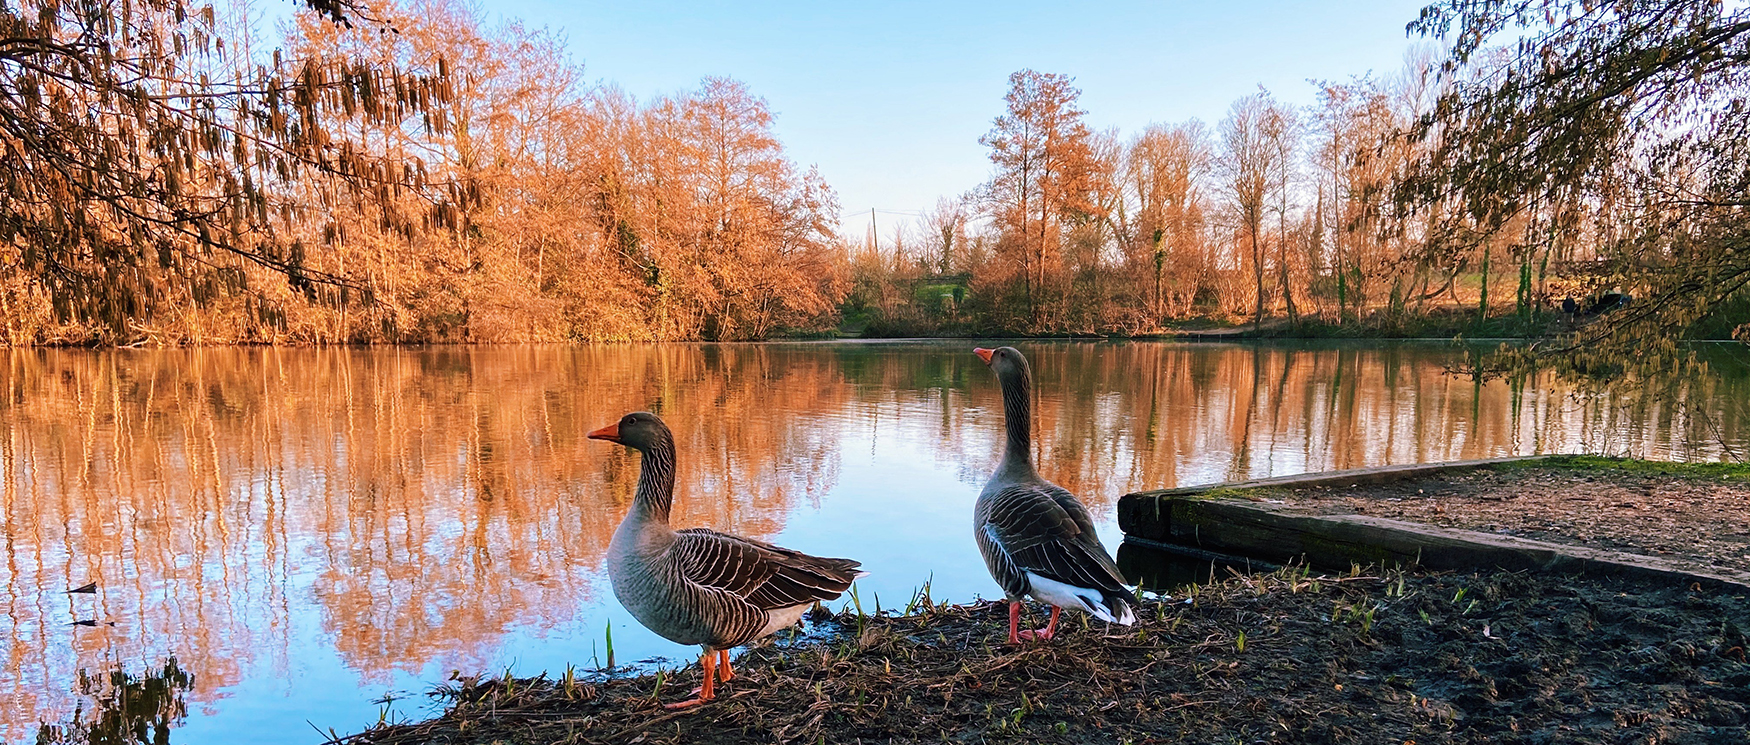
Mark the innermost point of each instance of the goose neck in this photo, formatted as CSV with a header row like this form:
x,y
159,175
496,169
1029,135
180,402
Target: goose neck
x,y
1018,418
655,493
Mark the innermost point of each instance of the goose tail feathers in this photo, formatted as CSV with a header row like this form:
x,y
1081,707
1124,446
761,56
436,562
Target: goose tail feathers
x,y
1111,606
1119,607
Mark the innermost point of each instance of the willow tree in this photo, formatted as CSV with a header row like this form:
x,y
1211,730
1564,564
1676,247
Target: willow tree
x,y
146,160
1625,125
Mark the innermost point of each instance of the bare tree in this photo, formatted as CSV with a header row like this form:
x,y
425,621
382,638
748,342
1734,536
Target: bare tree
x,y
1247,167
945,225
1282,133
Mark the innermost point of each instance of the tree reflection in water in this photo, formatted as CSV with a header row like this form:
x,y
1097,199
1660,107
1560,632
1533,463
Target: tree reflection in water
x,y
361,518
126,710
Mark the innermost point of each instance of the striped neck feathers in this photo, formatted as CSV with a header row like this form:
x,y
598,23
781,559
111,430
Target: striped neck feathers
x,y
656,480
1018,417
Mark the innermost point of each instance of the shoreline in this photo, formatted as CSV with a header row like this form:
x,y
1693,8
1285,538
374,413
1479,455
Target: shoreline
x,y
1290,656
1183,338
1441,325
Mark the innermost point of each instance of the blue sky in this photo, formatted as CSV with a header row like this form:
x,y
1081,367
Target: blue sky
x,y
889,100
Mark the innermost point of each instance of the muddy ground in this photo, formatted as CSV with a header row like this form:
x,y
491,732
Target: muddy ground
x,y
1696,515
1288,657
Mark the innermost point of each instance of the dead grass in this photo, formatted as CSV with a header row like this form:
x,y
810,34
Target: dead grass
x,y
1290,657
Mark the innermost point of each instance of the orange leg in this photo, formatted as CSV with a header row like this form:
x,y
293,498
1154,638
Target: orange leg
x,y
725,673
1046,633
1014,621
709,661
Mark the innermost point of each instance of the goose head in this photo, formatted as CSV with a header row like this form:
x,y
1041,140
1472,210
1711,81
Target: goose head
x,y
1006,361
640,430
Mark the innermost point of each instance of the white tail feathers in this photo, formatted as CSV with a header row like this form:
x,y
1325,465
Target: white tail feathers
x,y
1104,606
1121,604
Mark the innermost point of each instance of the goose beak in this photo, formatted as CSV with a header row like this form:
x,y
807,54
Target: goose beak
x,y
611,433
984,354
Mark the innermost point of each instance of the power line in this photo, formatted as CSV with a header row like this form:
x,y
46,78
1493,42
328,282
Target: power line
x,y
873,210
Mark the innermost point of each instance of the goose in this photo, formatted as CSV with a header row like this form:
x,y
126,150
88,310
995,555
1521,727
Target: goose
x,y
698,586
1036,537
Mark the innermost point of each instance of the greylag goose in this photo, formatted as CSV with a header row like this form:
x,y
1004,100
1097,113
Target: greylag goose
x,y
1036,537
699,586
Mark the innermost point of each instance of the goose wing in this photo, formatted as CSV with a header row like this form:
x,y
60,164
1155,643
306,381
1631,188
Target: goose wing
x,y
1086,535
765,576
1042,528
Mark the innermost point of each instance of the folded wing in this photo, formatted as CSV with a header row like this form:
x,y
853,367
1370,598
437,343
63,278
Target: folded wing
x,y
1043,529
764,576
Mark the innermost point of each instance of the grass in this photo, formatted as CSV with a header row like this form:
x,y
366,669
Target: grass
x,y
1248,492
1632,466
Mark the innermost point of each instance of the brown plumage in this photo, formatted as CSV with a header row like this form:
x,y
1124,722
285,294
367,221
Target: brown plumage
x,y
700,586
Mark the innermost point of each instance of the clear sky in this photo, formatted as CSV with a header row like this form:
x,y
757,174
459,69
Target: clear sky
x,y
889,100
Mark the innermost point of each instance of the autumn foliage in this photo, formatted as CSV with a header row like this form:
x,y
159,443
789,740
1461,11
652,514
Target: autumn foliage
x,y
402,171
1557,169
410,176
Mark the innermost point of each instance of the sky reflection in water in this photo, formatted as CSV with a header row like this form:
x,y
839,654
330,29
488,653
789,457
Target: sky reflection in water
x,y
306,530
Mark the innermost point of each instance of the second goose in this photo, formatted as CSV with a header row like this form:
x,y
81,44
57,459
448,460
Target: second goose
x,y
1036,538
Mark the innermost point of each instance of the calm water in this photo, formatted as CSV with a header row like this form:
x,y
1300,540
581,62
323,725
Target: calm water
x,y
307,531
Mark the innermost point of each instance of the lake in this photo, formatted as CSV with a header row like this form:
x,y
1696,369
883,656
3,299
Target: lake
x,y
307,532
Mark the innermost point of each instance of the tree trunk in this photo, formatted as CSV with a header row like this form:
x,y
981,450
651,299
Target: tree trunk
x,y
1282,266
1258,272
1160,262
1483,298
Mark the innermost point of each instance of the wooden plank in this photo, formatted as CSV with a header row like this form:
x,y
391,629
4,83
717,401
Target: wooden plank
x,y
1356,476
1194,517
1184,552
1140,514
1279,533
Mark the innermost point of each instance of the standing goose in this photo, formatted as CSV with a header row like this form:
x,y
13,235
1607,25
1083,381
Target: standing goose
x,y
699,586
1036,537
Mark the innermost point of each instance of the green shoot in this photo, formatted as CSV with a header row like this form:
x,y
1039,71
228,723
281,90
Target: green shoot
x,y
610,633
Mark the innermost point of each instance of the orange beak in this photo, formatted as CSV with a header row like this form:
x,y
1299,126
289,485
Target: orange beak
x,y
984,354
611,433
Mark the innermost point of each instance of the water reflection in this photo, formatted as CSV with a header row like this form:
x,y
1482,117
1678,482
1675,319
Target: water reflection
x,y
126,709
285,521
1166,569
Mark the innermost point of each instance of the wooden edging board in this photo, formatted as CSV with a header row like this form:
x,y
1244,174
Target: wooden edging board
x,y
1280,533
1375,475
